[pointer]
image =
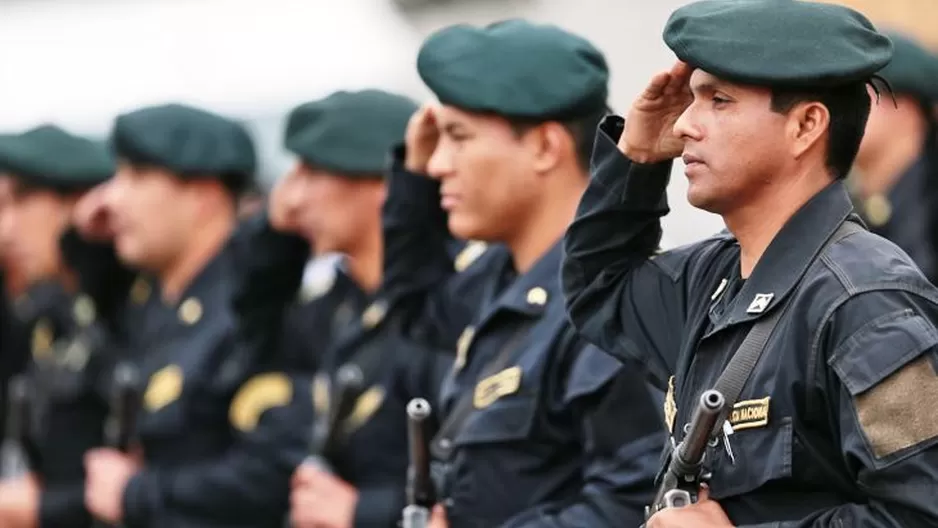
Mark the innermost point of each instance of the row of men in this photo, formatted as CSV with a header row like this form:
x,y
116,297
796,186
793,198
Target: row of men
x,y
536,349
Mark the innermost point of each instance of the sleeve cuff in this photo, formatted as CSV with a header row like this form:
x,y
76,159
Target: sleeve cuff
x,y
63,507
379,506
141,499
639,185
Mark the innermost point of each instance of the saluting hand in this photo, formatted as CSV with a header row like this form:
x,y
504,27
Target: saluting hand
x,y
705,513
421,139
649,128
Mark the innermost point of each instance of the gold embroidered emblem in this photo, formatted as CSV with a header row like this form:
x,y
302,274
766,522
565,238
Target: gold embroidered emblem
x,y
469,254
496,386
670,406
462,347
43,338
258,395
190,311
165,387
365,407
321,387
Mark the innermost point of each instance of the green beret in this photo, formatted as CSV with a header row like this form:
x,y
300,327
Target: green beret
x,y
349,133
913,70
50,157
190,142
516,69
785,43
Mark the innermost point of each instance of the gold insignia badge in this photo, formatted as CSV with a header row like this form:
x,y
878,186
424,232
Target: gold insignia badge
x,y
140,291
537,296
190,311
750,414
260,394
497,386
462,347
469,254
670,406
877,210
83,310
321,387
374,314
164,388
43,338
365,407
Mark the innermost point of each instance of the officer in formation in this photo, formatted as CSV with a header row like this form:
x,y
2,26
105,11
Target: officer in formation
x,y
896,170
266,399
66,293
835,424
333,200
537,427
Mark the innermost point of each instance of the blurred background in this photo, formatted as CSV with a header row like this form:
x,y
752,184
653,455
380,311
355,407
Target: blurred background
x,y
79,63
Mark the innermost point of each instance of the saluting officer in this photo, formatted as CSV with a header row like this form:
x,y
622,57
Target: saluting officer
x,y
836,425
537,427
895,176
333,199
219,431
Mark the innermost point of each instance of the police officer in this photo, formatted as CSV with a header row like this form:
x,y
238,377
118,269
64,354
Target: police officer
x,y
836,425
333,199
531,432
52,171
897,165
218,430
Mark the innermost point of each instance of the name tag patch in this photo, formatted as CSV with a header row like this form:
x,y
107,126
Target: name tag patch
x,y
750,414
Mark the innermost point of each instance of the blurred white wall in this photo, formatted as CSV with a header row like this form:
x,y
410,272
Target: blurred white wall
x,y
80,62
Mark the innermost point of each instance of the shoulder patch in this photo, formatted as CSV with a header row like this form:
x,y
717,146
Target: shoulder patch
x,y
496,386
164,387
469,254
257,395
365,407
750,414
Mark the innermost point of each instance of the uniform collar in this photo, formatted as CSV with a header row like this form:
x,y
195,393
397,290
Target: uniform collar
x,y
530,293
788,256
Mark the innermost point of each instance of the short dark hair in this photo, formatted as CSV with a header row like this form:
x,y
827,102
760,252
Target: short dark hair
x,y
849,107
581,128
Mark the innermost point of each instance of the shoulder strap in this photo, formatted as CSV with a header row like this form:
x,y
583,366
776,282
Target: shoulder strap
x,y
744,360
443,443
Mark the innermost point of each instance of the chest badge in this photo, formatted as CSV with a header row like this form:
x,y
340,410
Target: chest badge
x,y
165,387
750,414
760,303
489,390
670,406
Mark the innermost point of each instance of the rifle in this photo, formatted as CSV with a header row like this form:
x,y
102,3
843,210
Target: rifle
x,y
327,430
681,482
14,459
121,422
421,495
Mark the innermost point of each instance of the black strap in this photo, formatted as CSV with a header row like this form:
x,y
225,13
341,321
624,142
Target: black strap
x,y
443,443
737,372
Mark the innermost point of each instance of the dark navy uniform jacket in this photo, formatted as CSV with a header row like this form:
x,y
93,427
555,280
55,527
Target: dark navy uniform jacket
x,y
221,428
909,223
334,323
562,434
838,424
